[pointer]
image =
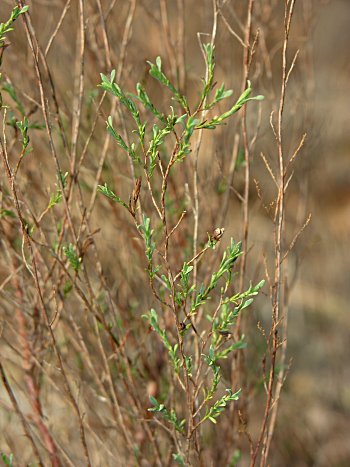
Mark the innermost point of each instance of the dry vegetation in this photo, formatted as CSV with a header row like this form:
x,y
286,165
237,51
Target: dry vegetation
x,y
127,337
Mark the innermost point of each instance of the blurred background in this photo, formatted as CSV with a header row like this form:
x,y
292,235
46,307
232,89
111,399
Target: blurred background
x,y
314,415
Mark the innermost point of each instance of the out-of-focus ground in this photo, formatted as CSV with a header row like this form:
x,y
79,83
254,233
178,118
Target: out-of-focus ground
x,y
314,421
315,410
314,418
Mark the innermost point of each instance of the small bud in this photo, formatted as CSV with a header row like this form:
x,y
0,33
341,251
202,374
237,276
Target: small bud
x,y
152,388
217,234
225,333
135,196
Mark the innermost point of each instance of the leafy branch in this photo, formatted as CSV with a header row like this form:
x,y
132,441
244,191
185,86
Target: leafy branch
x,y
171,416
5,28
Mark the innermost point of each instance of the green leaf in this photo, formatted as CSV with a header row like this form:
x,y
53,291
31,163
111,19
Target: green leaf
x,y
143,97
11,91
67,288
185,147
181,119
154,402
237,345
219,96
214,412
235,458
247,303
23,128
147,234
72,256
115,135
184,281
157,73
6,27
222,94
56,198
179,459
7,213
111,195
114,89
171,416
209,58
158,138
152,318
242,100
259,286
166,281
8,460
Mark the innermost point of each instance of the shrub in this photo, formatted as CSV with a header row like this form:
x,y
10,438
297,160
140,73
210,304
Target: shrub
x,y
126,301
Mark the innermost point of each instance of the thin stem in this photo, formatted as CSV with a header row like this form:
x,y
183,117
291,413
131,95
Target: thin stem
x,y
265,437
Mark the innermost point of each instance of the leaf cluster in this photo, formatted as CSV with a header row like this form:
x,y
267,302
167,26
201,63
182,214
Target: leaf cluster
x,y
5,28
152,318
171,416
151,151
72,256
